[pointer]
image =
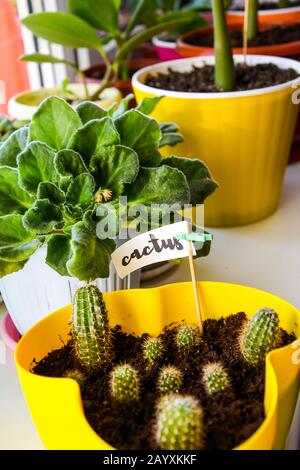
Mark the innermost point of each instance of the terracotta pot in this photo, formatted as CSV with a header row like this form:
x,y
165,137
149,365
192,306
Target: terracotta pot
x,y
285,15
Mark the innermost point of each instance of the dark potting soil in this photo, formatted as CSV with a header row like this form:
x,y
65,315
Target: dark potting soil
x,y
275,35
201,79
230,417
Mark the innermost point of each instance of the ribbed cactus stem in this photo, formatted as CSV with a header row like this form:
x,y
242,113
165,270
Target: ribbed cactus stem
x,y
260,335
125,385
152,351
76,375
215,378
169,380
188,336
179,423
90,328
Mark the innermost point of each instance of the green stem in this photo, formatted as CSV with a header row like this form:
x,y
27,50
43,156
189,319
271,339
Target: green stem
x,y
253,19
224,68
85,85
135,17
107,76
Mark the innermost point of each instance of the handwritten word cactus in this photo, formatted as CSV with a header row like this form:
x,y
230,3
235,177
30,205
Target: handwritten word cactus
x,y
179,423
215,378
188,336
260,335
91,334
152,351
169,380
125,385
76,375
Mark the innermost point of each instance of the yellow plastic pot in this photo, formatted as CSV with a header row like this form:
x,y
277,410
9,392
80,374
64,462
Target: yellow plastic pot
x,y
56,406
243,137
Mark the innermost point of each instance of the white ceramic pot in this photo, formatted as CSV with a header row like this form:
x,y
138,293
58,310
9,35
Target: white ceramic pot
x,y
24,105
38,290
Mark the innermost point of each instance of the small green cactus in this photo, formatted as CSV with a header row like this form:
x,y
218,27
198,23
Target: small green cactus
x,y
260,335
125,385
152,351
76,375
215,378
169,380
179,423
90,329
188,336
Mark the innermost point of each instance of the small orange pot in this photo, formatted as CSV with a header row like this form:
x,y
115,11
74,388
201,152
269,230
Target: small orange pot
x,y
276,15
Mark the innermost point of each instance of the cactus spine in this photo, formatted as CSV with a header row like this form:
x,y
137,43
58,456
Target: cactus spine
x,y
91,334
260,335
188,336
76,375
169,380
179,423
125,386
152,351
215,378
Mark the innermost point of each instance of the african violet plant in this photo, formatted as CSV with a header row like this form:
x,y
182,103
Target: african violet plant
x,y
57,172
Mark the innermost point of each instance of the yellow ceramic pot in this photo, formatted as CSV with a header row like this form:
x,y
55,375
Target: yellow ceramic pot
x,y
56,406
243,137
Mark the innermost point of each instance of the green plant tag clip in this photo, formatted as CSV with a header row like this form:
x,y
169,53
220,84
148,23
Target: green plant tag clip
x,y
195,237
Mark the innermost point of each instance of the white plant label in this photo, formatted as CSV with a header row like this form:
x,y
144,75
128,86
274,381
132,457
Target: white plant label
x,y
158,245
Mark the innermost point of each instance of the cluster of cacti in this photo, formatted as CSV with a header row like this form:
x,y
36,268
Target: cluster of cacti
x,y
90,328
152,351
125,384
179,423
76,375
188,336
260,335
215,378
169,380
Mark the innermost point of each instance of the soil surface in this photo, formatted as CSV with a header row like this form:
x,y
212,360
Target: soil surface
x,y
229,417
201,79
238,5
275,35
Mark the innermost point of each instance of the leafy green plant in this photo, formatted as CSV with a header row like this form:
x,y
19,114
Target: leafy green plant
x,y
80,26
179,423
169,380
90,328
8,126
125,385
58,172
260,335
152,351
188,336
215,378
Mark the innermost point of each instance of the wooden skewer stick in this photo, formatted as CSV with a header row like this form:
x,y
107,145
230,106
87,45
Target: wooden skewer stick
x,y
195,288
245,31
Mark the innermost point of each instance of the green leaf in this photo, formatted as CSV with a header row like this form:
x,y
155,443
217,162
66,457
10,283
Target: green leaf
x,y
117,111
171,139
142,134
93,136
198,177
36,164
69,163
7,268
47,59
163,185
12,197
101,14
89,111
42,217
113,167
81,190
167,127
54,123
16,243
52,192
59,252
91,256
62,28
13,146
147,105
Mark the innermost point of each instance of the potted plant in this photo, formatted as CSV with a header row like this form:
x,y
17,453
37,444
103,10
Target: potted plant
x,y
279,11
57,174
229,122
123,388
80,27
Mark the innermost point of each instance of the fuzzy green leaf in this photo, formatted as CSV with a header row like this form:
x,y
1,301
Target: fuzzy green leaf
x,y
59,252
91,256
69,163
89,111
54,123
36,164
7,268
113,167
93,136
42,217
13,146
101,14
12,197
81,190
147,105
16,243
62,28
52,192
198,177
142,134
